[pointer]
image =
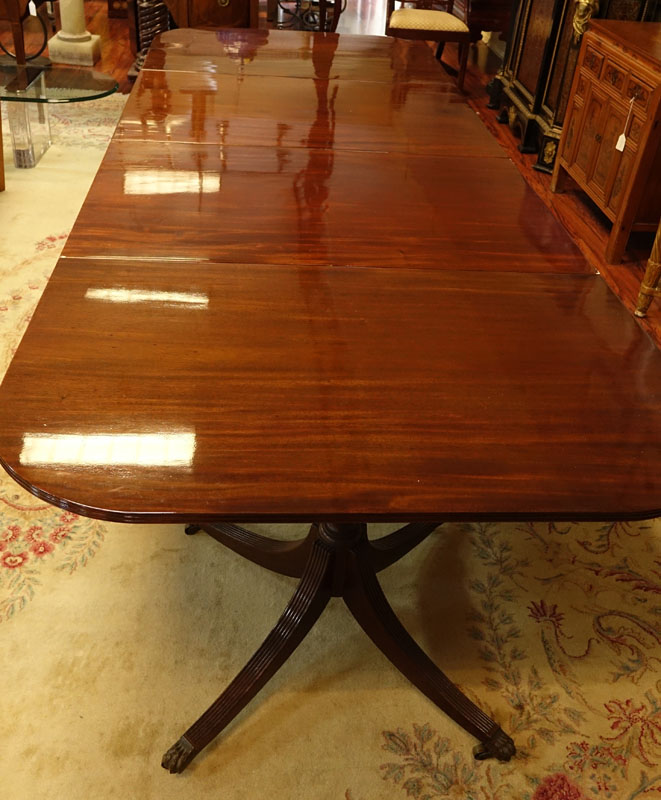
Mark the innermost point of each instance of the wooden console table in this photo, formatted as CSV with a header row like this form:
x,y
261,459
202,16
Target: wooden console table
x,y
254,342
610,143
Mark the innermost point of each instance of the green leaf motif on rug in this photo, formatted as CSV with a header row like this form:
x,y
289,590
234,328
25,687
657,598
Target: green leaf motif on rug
x,y
562,646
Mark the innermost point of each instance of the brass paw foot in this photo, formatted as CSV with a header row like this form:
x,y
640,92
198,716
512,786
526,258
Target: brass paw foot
x,y
499,746
179,756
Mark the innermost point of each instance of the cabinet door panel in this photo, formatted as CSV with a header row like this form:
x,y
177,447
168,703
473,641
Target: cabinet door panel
x,y
607,156
589,136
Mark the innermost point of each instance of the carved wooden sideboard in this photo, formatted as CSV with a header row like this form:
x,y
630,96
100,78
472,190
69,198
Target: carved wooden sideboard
x,y
532,88
610,144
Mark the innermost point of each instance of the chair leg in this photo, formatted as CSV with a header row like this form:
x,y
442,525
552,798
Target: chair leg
x,y
463,60
439,50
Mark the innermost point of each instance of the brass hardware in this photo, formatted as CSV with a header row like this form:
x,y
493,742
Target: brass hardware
x,y
223,3
584,10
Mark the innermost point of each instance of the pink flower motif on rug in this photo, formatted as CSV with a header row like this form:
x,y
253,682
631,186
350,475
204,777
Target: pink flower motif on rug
x,y
36,538
558,787
14,560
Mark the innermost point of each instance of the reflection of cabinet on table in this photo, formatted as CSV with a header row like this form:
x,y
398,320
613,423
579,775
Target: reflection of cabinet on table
x,y
616,90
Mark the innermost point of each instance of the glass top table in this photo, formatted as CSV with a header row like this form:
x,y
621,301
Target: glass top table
x,y
25,86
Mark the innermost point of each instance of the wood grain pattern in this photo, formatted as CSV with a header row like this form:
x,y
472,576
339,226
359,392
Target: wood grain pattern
x,y
289,112
374,394
294,54
315,206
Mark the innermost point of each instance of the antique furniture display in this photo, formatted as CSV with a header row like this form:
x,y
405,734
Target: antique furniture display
x,y
483,15
532,88
610,145
649,288
430,24
308,359
29,91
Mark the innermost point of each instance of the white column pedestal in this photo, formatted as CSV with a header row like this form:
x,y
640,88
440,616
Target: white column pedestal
x,y
73,44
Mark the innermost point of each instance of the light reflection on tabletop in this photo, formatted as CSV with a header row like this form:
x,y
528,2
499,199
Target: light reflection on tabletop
x,y
109,449
122,295
146,181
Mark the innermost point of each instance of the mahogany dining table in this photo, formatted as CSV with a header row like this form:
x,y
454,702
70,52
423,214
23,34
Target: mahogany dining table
x,y
308,285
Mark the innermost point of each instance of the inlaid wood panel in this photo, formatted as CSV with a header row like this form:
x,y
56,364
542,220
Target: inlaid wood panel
x,y
316,206
282,112
245,391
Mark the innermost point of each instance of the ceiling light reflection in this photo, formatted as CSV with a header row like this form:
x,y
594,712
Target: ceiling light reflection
x,y
147,296
147,181
109,449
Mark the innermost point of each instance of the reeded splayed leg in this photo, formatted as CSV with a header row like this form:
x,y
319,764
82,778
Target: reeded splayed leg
x,y
366,601
303,610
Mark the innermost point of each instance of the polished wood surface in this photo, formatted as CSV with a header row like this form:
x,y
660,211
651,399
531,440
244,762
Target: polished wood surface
x,y
287,112
430,383
331,393
293,54
307,157
317,206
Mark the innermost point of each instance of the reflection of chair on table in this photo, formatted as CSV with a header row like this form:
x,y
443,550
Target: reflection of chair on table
x,y
427,22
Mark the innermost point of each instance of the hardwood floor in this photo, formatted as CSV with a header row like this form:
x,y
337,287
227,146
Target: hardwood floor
x,y
585,223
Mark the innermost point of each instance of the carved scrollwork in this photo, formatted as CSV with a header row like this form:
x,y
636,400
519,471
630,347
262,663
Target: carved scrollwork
x,y
585,10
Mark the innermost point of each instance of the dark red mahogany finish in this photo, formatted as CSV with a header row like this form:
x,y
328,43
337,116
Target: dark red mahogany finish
x,y
305,286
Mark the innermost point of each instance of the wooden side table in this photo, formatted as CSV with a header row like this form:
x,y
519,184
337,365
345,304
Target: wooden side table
x,y
610,141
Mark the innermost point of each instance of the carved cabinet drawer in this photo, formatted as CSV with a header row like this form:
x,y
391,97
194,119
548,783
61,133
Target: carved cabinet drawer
x,y
592,60
614,76
639,90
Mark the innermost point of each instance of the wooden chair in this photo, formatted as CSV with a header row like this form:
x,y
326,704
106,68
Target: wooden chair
x,y
16,12
13,11
427,22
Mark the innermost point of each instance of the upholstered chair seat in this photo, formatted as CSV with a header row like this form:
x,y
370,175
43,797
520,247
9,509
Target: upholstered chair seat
x,y
433,25
427,20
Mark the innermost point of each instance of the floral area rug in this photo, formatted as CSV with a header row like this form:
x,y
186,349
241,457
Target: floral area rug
x,y
113,638
37,211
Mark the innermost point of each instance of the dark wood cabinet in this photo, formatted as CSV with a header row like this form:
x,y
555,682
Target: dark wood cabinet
x,y
532,89
213,13
484,15
610,146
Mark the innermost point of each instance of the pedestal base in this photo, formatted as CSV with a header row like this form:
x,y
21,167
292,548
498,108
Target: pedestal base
x,y
86,52
334,560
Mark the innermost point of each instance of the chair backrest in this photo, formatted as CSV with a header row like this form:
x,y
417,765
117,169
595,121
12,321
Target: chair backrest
x,y
13,11
436,5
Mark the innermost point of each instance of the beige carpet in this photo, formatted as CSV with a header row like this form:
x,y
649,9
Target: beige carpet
x,y
114,638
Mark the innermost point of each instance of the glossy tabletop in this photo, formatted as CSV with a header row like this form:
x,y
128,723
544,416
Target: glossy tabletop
x,y
361,321
53,84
